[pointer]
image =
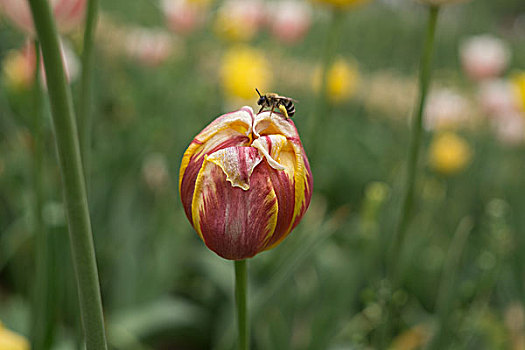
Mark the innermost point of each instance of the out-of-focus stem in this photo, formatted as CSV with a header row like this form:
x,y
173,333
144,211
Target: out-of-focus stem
x,y
240,302
415,145
445,298
86,88
321,102
73,181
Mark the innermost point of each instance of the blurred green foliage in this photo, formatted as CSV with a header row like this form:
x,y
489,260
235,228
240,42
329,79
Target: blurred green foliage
x,y
323,288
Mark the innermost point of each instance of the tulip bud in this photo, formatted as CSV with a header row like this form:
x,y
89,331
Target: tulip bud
x,y
484,57
245,182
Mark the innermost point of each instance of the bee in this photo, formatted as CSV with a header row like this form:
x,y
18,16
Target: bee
x,y
272,100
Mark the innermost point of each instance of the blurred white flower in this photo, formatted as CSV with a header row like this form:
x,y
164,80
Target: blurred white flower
x,y
150,47
497,97
184,16
445,109
289,20
68,14
484,57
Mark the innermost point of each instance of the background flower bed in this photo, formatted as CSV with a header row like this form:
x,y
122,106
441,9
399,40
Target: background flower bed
x,y
322,288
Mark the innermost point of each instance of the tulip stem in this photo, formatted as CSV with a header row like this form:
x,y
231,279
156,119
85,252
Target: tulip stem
x,y
393,256
86,88
417,131
42,330
321,102
240,302
73,182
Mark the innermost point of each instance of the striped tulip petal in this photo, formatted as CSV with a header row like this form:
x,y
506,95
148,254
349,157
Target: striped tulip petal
x,y
245,182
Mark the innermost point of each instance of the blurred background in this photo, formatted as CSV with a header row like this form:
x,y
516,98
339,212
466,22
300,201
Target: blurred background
x,y
165,69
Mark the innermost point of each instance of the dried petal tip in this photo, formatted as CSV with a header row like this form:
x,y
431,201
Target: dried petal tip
x,y
245,183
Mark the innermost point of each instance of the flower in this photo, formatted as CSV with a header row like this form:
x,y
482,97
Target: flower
x,y
484,57
446,109
411,339
341,4
150,47
290,21
243,69
510,128
449,153
341,81
19,68
519,82
245,182
184,16
239,20
497,98
68,14
11,341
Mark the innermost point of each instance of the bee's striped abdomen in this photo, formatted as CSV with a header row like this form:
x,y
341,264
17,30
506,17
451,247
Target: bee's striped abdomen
x,y
290,108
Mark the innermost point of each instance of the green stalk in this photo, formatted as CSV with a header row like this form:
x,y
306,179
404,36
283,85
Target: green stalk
x,y
394,254
73,182
321,102
86,87
42,331
415,145
240,302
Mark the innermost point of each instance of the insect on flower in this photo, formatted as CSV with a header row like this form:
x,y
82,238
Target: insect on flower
x,y
273,100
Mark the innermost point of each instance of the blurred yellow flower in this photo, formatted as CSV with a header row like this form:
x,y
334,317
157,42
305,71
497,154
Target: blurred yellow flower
x,y
11,341
341,4
19,69
342,80
519,82
243,69
449,153
411,339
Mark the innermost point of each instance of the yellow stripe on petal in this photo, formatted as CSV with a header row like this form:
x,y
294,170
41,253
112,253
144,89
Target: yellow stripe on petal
x,y
237,164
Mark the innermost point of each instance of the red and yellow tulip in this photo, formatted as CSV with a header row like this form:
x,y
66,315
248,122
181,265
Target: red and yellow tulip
x,y
245,182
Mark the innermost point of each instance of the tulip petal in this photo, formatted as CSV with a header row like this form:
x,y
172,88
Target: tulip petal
x,y
234,223
232,129
237,163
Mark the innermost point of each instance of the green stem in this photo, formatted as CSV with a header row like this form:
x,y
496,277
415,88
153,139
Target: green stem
x,y
321,103
417,131
394,254
86,88
73,182
42,330
240,302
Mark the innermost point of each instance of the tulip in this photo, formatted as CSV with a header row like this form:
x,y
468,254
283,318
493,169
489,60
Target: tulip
x,y
290,20
184,16
497,98
518,81
446,109
150,47
449,153
484,57
342,80
242,69
239,20
245,182
68,14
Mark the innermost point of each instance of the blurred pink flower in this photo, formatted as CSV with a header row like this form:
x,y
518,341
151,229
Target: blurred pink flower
x,y
445,109
290,20
510,128
68,14
497,97
150,47
239,20
484,57
184,16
